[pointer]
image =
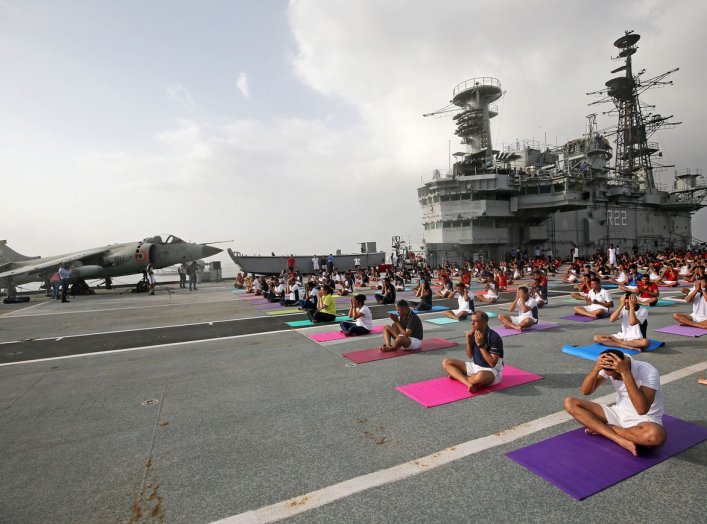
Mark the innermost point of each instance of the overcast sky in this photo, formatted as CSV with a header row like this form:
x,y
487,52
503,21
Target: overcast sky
x,y
296,126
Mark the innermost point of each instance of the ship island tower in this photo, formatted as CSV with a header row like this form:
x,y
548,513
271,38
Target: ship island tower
x,y
529,196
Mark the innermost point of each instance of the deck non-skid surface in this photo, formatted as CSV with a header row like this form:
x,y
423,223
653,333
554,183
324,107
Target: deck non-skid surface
x,y
208,415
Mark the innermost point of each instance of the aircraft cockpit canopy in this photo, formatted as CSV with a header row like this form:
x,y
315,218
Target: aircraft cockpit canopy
x,y
157,239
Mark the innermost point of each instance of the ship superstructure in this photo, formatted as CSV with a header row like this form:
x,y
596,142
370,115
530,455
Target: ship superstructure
x,y
555,198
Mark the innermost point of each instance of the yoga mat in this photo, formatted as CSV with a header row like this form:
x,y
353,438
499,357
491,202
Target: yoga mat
x,y
286,311
507,332
663,303
304,323
434,308
668,288
592,352
578,318
338,335
610,286
372,354
678,299
444,390
441,321
582,465
685,331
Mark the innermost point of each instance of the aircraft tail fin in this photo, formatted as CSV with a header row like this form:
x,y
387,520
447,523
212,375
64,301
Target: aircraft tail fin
x,y
10,255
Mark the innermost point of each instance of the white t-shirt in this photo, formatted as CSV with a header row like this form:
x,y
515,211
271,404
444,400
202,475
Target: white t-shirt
x,y
294,288
464,305
644,375
602,296
612,256
699,306
366,320
633,332
532,304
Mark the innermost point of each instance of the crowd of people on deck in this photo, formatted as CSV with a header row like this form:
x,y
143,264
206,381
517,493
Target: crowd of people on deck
x,y
636,419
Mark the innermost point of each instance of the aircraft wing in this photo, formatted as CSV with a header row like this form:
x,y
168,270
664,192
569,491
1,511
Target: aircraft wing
x,y
42,265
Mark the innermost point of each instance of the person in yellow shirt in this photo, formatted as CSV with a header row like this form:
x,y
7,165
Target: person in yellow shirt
x,y
326,306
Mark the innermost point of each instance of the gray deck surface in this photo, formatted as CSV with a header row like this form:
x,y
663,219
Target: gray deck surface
x,y
250,413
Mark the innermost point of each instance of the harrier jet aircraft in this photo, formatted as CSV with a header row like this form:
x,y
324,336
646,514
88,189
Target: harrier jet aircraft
x,y
101,262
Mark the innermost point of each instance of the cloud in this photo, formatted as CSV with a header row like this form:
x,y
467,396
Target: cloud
x,y
181,96
242,84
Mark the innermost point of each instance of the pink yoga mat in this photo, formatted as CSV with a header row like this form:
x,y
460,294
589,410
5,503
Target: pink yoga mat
x,y
686,331
507,332
338,335
444,390
370,355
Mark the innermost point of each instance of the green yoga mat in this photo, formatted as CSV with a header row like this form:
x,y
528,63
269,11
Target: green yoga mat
x,y
303,323
282,312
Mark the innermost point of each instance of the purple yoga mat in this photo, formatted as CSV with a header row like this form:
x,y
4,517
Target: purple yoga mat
x,y
686,331
578,318
370,355
582,465
338,335
444,390
507,332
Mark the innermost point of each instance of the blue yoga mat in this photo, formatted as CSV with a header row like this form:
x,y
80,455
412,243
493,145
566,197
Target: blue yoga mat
x,y
582,465
592,352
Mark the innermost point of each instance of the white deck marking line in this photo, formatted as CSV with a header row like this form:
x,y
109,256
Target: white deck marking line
x,y
125,350
321,497
209,322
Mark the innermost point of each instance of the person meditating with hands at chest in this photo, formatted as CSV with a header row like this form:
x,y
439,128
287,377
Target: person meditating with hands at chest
x,y
637,417
405,332
484,347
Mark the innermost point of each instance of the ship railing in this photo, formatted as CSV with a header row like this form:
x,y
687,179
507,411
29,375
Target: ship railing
x,y
473,82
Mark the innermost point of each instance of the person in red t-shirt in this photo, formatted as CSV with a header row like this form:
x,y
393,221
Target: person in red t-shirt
x,y
647,291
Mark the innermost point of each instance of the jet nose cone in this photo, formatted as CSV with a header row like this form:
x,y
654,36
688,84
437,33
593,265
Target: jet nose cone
x,y
208,251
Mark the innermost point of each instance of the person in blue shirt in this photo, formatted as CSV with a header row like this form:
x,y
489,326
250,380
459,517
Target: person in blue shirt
x,y
484,348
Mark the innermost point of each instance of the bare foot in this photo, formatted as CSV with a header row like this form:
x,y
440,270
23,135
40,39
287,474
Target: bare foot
x,y
628,445
472,388
387,349
590,431
702,381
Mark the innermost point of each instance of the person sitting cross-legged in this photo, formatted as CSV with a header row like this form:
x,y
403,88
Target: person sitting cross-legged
x,y
698,296
362,316
634,320
466,304
326,306
484,348
598,301
406,330
388,295
527,311
636,420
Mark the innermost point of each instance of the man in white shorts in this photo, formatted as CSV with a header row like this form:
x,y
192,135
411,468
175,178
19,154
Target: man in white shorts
x,y
611,252
405,332
598,301
527,311
698,297
466,304
634,320
637,417
484,347
491,294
